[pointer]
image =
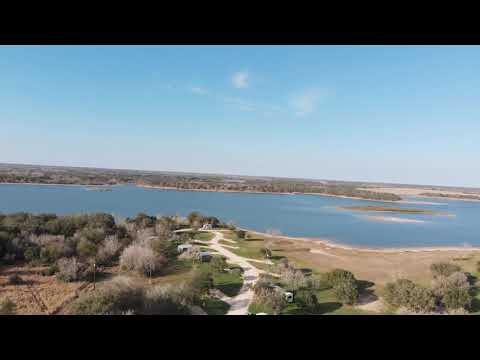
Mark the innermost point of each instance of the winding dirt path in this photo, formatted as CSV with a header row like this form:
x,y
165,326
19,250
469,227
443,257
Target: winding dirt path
x,y
239,303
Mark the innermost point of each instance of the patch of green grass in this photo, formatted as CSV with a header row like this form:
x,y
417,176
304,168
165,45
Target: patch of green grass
x,y
255,308
228,283
261,266
214,306
203,236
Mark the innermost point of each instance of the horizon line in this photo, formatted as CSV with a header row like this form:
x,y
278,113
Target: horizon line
x,y
237,175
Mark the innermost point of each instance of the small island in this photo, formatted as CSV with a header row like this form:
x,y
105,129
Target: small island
x,y
387,209
451,196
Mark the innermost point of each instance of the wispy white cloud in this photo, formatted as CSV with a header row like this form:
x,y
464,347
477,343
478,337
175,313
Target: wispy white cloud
x,y
241,79
306,102
198,90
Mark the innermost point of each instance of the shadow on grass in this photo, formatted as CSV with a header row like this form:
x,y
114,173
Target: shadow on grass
x,y
327,307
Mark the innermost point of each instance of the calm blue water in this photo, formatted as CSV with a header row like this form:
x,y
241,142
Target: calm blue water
x,y
293,215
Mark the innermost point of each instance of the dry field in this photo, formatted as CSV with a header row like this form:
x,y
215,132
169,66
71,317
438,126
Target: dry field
x,y
379,266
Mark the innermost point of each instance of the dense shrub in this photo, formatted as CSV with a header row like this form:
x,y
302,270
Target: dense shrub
x,y
444,269
118,296
201,281
307,299
241,234
218,263
165,300
405,293
166,247
337,276
109,250
141,259
453,291
70,269
7,307
86,249
51,252
398,293
346,291
421,300
294,279
457,298
124,295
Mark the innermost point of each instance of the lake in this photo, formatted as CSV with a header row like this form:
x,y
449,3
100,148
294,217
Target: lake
x,y
293,215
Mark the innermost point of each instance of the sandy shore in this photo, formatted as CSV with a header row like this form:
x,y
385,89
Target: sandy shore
x,y
335,245
392,219
417,191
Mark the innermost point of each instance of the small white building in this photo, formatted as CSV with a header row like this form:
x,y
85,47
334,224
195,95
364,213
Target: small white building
x,y
184,247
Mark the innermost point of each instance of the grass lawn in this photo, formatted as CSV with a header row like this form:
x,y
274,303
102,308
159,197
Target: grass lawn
x,y
213,306
229,284
203,236
259,308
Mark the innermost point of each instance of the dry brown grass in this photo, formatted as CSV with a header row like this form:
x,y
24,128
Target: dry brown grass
x,y
40,294
377,266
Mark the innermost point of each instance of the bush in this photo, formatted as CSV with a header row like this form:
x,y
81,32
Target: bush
x,y
218,263
201,281
109,251
7,307
141,259
70,269
294,279
457,298
51,270
166,248
307,299
444,269
86,249
164,300
240,234
117,296
407,294
51,252
337,276
346,291
453,291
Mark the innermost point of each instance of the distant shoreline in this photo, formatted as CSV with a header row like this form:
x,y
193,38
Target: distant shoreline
x,y
268,193
220,191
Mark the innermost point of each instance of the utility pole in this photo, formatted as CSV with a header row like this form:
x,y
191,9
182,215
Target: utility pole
x,y
94,271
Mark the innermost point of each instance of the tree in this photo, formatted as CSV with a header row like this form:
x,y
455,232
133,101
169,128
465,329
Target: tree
x,y
195,218
241,234
218,263
444,269
337,276
141,259
346,292
294,279
406,293
307,299
453,291
457,298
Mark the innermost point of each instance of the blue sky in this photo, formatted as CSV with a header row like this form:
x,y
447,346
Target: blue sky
x,y
407,114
